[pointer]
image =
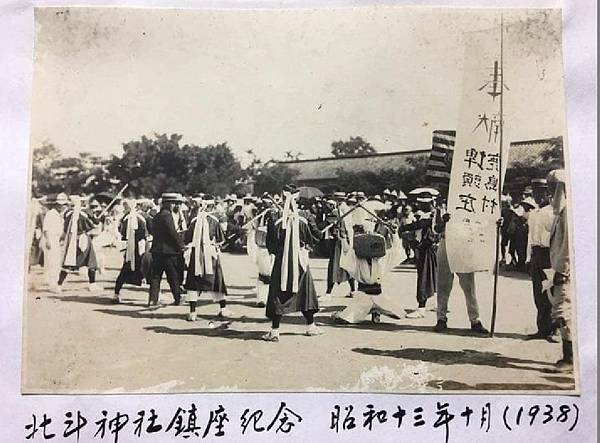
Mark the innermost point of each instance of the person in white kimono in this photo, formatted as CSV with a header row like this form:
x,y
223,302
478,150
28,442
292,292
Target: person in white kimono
x,y
52,232
370,299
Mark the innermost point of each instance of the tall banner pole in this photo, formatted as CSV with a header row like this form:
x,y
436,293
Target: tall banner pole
x,y
498,227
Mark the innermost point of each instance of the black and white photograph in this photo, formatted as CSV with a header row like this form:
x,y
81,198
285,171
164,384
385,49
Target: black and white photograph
x,y
366,200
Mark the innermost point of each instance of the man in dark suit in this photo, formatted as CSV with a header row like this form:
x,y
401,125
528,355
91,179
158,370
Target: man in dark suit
x,y
167,247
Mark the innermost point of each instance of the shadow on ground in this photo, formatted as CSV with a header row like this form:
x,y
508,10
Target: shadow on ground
x,y
221,331
466,356
451,385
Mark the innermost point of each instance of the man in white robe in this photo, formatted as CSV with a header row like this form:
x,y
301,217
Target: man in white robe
x,y
52,232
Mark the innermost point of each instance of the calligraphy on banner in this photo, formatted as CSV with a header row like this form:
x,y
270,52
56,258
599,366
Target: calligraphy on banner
x,y
473,196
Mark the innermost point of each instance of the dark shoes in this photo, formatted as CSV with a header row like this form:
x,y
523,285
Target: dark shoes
x,y
542,336
479,329
440,326
375,317
566,362
537,336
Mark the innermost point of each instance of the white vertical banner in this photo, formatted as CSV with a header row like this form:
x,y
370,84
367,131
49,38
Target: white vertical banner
x,y
473,196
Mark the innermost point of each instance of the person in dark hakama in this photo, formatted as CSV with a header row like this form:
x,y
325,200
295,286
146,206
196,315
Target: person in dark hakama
x,y
79,249
292,288
426,255
339,234
205,273
134,232
35,233
180,212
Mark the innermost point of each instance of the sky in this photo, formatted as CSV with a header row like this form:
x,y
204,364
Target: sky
x,y
274,81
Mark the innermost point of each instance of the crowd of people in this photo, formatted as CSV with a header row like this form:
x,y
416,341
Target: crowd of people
x,y
364,236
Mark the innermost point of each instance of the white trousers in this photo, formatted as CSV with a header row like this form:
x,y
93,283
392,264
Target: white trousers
x,y
52,263
361,305
262,292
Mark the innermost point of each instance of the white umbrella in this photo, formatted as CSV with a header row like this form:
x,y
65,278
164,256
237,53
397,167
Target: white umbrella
x,y
417,191
374,205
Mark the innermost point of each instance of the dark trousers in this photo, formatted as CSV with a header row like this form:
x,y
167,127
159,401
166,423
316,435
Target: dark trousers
x,y
540,260
426,274
309,316
181,268
330,271
63,276
119,283
520,248
168,264
504,245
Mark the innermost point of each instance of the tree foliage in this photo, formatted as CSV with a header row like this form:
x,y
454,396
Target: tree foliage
x,y
53,173
155,165
272,177
354,146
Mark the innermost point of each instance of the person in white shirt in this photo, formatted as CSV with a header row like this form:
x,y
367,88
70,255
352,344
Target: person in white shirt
x,y
538,256
52,231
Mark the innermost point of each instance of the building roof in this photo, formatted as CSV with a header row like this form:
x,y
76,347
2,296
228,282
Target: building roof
x,y
326,168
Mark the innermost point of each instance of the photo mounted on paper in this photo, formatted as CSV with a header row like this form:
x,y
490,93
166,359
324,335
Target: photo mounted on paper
x,y
353,200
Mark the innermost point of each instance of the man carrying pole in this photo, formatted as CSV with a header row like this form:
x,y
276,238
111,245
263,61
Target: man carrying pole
x,y
445,280
471,239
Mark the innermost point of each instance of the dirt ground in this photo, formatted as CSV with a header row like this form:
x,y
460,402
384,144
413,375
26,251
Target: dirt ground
x,y
81,342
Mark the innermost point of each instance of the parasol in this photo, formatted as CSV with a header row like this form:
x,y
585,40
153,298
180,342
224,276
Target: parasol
x,y
418,191
104,197
374,205
309,192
